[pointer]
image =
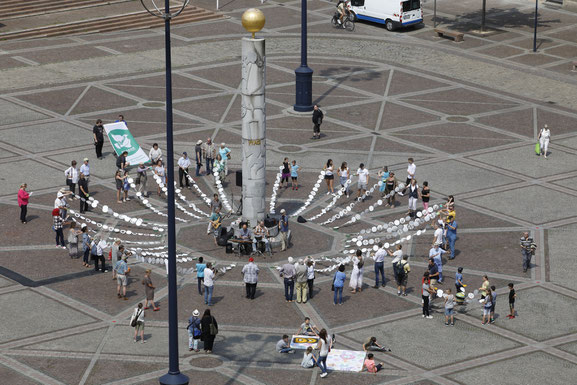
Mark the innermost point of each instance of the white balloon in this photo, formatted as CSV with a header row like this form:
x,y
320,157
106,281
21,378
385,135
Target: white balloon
x,y
105,209
387,245
419,214
375,248
397,222
359,243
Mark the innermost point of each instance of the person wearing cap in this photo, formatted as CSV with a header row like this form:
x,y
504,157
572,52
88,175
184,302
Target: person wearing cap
x,y
141,179
194,331
224,153
98,136
149,289
183,165
301,278
85,169
83,193
209,151
57,223
198,154
121,267
23,197
283,226
250,277
287,272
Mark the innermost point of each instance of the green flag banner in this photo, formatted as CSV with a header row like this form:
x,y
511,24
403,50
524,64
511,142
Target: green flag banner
x,y
122,140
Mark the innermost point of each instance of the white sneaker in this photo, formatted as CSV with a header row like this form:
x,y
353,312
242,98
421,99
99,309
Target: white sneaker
x,y
429,316
328,192
323,375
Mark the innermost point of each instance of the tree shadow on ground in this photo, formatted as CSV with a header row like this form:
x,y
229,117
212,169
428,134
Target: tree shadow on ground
x,y
510,18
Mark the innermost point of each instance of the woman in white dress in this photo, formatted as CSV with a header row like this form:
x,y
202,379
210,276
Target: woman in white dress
x,y
343,177
356,282
544,137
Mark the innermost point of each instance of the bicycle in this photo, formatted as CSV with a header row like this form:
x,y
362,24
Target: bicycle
x,y
348,22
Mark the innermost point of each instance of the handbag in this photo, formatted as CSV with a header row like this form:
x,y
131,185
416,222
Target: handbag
x,y
134,319
333,284
213,328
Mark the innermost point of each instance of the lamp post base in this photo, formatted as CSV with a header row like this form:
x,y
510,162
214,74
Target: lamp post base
x,y
304,89
173,379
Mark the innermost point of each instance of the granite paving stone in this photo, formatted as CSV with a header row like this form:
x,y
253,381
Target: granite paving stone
x,y
69,371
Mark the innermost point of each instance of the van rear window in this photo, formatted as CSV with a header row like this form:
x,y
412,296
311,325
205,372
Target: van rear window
x,y
411,5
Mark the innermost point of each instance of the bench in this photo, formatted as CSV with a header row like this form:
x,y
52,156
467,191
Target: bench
x,y
574,64
457,36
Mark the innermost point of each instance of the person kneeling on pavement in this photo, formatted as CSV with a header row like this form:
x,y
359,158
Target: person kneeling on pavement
x,y
283,345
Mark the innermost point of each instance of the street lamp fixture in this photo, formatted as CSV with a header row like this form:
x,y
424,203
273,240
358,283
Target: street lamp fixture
x,y
304,75
173,377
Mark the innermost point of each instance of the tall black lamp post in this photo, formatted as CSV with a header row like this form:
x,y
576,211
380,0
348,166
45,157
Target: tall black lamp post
x,y
173,377
304,75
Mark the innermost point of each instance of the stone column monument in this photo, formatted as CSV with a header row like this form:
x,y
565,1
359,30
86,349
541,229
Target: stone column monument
x,y
253,119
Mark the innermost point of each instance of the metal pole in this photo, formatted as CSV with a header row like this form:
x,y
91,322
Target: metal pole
x,y
435,15
483,16
173,377
304,75
535,28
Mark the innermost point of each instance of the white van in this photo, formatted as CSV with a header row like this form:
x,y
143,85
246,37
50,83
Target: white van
x,y
392,13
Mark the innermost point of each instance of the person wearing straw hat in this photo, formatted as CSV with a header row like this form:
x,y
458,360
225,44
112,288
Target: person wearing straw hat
x,y
194,331
198,154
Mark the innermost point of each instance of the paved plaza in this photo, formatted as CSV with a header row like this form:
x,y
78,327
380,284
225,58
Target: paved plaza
x,y
468,113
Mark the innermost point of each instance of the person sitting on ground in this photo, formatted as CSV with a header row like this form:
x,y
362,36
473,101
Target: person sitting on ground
x,y
369,364
309,359
372,345
307,329
283,345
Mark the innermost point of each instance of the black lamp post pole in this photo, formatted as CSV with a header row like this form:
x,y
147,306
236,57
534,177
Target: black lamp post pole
x,y
173,377
304,75
535,27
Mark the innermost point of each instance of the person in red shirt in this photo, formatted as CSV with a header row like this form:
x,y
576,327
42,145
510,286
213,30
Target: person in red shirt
x,y
370,364
23,197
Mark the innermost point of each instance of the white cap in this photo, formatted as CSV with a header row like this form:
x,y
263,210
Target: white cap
x,y
195,313
290,260
283,211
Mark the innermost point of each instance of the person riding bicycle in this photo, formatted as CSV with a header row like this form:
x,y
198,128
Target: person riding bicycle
x,y
342,10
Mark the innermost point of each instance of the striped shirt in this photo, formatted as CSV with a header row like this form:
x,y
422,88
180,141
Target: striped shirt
x,y
526,242
250,273
57,220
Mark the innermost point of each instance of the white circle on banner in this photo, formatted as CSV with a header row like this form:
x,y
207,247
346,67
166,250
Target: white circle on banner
x,y
402,220
322,173
408,237
387,245
164,189
390,230
374,229
353,219
405,228
439,293
380,183
365,242
371,208
430,209
470,295
362,232
145,201
116,230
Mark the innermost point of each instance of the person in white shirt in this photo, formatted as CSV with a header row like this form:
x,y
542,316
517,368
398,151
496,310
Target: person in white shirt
x,y
72,177
61,203
411,171
155,154
397,256
208,284
438,236
363,175
183,165
544,138
85,169
379,258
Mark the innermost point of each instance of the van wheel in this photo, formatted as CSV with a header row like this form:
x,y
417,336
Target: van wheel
x,y
389,25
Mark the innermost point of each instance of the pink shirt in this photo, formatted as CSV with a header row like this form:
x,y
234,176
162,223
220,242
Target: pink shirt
x,y
370,365
23,197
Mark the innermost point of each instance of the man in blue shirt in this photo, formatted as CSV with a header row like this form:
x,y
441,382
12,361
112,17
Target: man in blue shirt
x,y
436,254
121,267
433,271
200,266
452,235
224,154
283,226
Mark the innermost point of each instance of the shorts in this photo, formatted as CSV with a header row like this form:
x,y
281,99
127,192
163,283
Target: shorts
x,y
493,308
139,326
121,279
433,281
486,311
329,177
362,186
294,178
450,311
403,282
511,305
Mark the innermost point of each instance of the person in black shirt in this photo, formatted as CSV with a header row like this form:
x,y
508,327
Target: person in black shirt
x,y
83,192
98,133
205,326
317,121
512,297
121,162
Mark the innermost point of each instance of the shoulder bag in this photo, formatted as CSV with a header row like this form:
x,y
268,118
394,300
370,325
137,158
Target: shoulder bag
x,y
213,327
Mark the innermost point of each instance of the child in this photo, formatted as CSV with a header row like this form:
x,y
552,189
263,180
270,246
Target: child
x,y
309,359
283,345
307,329
512,297
126,186
459,279
370,364
294,175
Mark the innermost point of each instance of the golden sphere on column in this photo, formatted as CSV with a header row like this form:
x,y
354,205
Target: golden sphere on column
x,y
253,20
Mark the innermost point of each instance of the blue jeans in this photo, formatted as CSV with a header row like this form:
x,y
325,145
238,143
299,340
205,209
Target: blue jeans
x,y
208,295
339,292
379,267
452,239
192,343
285,350
86,256
198,169
209,165
322,360
440,276
289,287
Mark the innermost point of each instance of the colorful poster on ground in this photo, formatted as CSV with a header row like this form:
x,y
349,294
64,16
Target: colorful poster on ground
x,y
345,360
122,140
303,342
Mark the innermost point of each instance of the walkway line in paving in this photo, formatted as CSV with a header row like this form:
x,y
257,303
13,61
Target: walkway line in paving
x,y
28,371
96,355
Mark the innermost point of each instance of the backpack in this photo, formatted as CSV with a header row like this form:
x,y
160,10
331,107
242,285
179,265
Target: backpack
x,y
94,250
400,270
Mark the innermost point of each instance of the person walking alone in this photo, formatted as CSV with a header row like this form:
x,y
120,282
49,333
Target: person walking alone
x,y
23,198
250,277
137,320
338,285
544,138
209,330
324,347
142,179
317,121
283,226
527,250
